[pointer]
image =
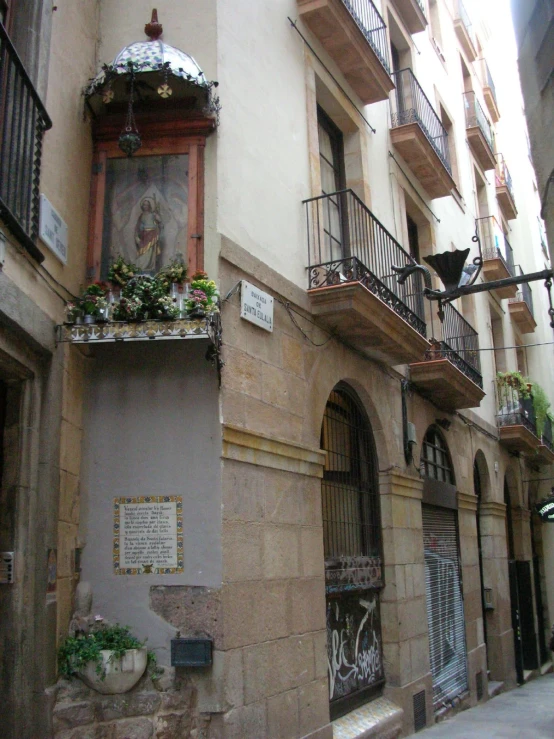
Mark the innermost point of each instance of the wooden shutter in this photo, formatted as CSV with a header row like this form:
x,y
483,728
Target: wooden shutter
x,y
445,608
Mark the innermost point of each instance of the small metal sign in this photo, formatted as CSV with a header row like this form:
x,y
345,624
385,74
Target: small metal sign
x,y
191,652
52,229
256,306
545,509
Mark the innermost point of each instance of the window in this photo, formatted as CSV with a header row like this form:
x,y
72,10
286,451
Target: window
x,y
23,120
449,128
352,547
435,458
331,161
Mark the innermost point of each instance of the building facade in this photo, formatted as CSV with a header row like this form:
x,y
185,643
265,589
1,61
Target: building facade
x,y
347,498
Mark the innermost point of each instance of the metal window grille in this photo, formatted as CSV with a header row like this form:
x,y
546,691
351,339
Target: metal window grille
x,y
23,120
350,495
420,711
435,458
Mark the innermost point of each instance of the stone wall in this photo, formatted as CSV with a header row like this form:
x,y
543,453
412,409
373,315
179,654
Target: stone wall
x,y
160,708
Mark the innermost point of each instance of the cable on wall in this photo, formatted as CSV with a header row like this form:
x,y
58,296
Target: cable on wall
x,y
331,75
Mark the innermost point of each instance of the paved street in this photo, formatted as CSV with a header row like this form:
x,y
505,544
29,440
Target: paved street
x,y
526,712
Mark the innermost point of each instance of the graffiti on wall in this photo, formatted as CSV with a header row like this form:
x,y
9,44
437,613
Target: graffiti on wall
x,y
354,648
352,573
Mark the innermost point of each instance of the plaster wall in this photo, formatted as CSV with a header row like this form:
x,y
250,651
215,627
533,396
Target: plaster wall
x,y
151,428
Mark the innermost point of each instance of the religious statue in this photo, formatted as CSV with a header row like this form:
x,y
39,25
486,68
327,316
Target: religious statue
x,y
148,231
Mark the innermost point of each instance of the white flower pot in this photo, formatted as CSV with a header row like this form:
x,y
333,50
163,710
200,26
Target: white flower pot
x,y
121,674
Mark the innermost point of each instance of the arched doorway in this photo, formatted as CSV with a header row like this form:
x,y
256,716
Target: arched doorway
x,y
353,552
445,608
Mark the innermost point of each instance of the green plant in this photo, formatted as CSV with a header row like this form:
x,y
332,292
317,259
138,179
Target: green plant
x,y
541,405
94,299
203,294
77,651
174,272
121,271
514,380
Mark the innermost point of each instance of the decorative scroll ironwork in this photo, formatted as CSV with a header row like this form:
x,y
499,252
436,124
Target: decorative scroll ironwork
x,y
514,410
373,27
413,106
340,225
116,331
23,120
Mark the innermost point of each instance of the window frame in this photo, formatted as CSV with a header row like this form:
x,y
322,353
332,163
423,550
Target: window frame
x,y
161,136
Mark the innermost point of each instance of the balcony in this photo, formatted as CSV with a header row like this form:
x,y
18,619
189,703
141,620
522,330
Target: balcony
x,y
451,377
504,189
23,120
413,14
355,36
489,92
465,32
419,136
520,308
479,132
352,285
498,256
516,420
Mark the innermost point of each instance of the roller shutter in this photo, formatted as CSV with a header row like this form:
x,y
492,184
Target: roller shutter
x,y
445,608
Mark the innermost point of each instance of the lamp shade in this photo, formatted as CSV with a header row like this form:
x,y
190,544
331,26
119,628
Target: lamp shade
x,y
449,266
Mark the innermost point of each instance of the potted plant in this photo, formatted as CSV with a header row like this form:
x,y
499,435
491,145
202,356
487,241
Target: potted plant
x,y
94,303
203,296
120,272
127,309
108,659
173,278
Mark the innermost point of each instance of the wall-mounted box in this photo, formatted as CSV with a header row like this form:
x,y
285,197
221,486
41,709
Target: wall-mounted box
x,y
191,652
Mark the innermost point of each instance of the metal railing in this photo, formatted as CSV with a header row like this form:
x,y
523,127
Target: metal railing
x,y
488,80
513,410
524,294
346,243
413,106
503,177
547,434
23,120
464,17
475,116
372,25
494,243
460,344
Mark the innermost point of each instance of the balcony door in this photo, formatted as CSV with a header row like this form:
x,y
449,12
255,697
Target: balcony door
x,y
334,209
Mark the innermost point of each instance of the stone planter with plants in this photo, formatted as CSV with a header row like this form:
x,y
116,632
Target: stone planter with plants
x,y
108,658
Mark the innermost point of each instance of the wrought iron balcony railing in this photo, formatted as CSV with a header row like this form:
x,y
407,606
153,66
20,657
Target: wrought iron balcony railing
x,y
475,116
514,410
23,120
372,25
524,294
494,243
503,177
547,434
488,80
464,17
413,106
346,243
460,344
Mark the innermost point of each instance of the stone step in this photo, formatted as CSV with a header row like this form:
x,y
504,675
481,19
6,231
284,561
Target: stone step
x,y
495,688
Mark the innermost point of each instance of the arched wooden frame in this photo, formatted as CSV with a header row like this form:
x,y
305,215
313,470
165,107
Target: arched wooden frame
x,y
161,135
435,457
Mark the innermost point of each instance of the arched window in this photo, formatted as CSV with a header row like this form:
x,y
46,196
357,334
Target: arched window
x,y
352,546
435,458
350,489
